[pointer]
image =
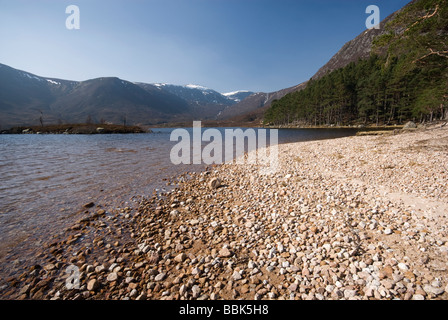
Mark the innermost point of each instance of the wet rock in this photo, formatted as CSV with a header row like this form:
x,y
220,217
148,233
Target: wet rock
x,y
89,205
161,276
93,285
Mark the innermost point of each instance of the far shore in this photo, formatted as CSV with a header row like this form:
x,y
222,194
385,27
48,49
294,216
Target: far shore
x,y
78,128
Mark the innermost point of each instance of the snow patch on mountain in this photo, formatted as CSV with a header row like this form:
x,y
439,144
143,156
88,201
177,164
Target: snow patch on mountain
x,y
31,76
195,86
233,93
53,82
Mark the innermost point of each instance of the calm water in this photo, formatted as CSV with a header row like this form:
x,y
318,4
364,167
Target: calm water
x,y
45,179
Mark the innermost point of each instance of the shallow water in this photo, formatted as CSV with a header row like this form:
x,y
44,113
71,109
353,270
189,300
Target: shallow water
x,y
45,179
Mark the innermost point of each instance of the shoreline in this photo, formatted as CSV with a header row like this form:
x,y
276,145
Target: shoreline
x,y
77,128
366,221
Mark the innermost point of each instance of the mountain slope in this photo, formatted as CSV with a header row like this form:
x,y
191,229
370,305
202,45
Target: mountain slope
x,y
238,96
204,103
115,100
401,74
252,107
356,49
352,51
25,96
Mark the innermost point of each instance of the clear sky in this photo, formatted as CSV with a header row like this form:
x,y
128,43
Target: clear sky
x,y
226,45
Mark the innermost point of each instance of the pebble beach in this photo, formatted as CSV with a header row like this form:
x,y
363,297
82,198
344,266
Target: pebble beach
x,y
355,218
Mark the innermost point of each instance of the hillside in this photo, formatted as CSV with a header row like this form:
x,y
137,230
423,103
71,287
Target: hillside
x,y
401,74
252,107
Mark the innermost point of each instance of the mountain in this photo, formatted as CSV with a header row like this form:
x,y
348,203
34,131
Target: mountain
x,y
204,103
115,100
373,42
195,94
26,98
354,50
253,106
387,76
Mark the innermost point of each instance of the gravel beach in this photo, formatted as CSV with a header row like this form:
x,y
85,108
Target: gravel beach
x,y
362,217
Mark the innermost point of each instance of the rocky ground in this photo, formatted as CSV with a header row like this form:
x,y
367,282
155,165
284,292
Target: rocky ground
x,y
352,218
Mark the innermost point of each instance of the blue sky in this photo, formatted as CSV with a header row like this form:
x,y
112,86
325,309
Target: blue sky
x,y
226,45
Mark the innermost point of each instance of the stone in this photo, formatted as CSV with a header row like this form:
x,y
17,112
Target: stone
x,y
214,183
387,271
329,288
153,257
93,285
89,205
99,268
410,275
403,266
50,267
429,289
25,290
245,289
160,276
410,125
292,287
349,293
195,271
224,253
142,296
236,276
180,257
195,290
113,276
